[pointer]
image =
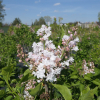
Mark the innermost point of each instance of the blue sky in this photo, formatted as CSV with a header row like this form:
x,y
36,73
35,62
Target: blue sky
x,y
69,10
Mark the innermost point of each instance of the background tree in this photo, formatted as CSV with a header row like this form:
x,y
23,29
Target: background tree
x,y
32,24
60,18
42,21
16,21
55,21
47,19
99,16
36,22
2,14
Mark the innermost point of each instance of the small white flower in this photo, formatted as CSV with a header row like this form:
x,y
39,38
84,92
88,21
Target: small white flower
x,y
65,37
75,48
38,81
67,62
76,39
71,59
90,64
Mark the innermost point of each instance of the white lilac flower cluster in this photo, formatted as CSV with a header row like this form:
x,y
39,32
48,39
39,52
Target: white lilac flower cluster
x,y
45,60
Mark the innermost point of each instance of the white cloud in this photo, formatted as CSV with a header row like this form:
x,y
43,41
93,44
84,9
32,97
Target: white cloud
x,y
55,10
38,15
6,8
56,4
37,1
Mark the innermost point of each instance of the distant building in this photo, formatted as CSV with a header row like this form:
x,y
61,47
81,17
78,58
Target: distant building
x,y
98,23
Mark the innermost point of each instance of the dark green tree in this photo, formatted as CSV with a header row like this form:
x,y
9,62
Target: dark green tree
x,y
47,19
60,18
16,21
32,24
2,13
55,21
99,16
42,21
36,22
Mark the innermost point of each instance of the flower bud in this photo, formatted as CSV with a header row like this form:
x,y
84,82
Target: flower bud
x,y
27,59
75,33
20,60
67,48
66,57
48,67
17,51
63,43
44,66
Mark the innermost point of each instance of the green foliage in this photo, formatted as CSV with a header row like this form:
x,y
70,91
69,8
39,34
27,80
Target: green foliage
x,y
4,28
2,14
64,91
60,18
96,28
0,24
16,21
88,48
36,90
55,21
99,16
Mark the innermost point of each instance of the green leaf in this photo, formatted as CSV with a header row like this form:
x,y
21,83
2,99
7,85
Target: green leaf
x,y
2,83
74,76
95,90
96,81
64,91
8,98
36,90
98,98
26,72
81,87
2,93
77,84
97,71
7,72
87,78
87,96
13,81
26,77
17,98
85,90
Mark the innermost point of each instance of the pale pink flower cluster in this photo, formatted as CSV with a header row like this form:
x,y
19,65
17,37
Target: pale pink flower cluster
x,y
87,69
30,85
21,54
46,60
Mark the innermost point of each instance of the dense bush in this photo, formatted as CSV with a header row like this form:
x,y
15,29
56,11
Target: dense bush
x,y
71,84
